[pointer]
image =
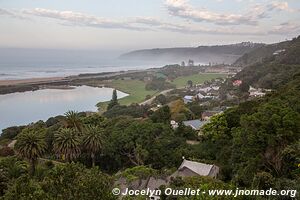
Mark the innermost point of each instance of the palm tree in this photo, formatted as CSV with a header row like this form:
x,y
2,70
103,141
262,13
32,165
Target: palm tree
x,y
67,143
72,120
31,145
92,140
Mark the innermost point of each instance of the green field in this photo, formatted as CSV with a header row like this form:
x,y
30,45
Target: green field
x,y
135,89
137,92
196,78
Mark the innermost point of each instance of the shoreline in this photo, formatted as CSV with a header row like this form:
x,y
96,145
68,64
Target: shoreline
x,y
90,79
13,82
67,82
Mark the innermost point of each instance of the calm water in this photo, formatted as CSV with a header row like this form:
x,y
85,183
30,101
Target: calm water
x,y
24,108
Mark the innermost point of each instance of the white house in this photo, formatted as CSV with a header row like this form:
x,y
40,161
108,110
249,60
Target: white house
x,y
188,99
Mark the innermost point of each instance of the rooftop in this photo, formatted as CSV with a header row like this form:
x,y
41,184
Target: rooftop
x,y
195,124
199,168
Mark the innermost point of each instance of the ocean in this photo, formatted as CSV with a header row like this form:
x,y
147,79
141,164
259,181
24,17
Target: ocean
x,y
38,63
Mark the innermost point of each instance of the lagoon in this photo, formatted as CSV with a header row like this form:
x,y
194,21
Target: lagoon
x,y
26,107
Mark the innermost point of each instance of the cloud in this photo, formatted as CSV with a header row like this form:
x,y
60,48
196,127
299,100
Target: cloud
x,y
285,28
80,19
280,6
10,13
71,18
182,8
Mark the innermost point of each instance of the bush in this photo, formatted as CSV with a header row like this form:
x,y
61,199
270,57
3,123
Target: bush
x,y
6,151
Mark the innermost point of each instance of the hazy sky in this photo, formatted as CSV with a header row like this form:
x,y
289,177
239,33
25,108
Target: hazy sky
x,y
134,24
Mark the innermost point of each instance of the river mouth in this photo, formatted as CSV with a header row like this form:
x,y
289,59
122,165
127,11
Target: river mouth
x,y
26,107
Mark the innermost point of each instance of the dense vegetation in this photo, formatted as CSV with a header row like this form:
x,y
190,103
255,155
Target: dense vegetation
x,y
274,70
256,143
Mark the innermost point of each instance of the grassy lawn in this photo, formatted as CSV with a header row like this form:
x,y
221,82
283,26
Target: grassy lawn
x,y
196,78
135,89
137,92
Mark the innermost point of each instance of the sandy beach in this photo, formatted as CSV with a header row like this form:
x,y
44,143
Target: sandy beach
x,y
30,81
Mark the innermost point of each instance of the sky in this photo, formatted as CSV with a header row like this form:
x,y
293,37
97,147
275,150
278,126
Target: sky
x,y
138,24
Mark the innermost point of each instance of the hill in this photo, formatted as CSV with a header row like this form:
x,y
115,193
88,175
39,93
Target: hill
x,y
273,70
258,55
203,54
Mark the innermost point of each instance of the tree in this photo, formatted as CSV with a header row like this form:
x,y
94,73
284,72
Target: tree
x,y
74,181
67,143
161,115
31,145
92,141
114,101
68,181
190,83
161,99
72,120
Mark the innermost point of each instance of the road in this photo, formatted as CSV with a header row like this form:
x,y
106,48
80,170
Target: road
x,y
149,101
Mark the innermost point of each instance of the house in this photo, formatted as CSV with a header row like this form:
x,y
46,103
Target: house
x,y
195,124
237,82
186,169
256,92
192,168
204,89
200,96
278,51
188,99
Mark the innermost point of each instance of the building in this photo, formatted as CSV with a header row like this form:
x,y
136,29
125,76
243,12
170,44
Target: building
x,y
204,89
191,168
195,124
188,99
186,169
278,51
237,82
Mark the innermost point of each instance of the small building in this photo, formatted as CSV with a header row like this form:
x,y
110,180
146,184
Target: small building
x,y
237,82
200,96
188,99
204,89
186,169
278,51
191,168
195,124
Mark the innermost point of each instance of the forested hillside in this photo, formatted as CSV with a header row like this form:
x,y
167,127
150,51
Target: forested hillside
x,y
274,70
259,54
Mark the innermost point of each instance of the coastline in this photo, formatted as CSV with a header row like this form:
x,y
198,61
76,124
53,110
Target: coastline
x,y
30,81
32,84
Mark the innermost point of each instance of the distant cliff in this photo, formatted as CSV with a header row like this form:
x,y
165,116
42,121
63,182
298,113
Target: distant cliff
x,y
227,54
